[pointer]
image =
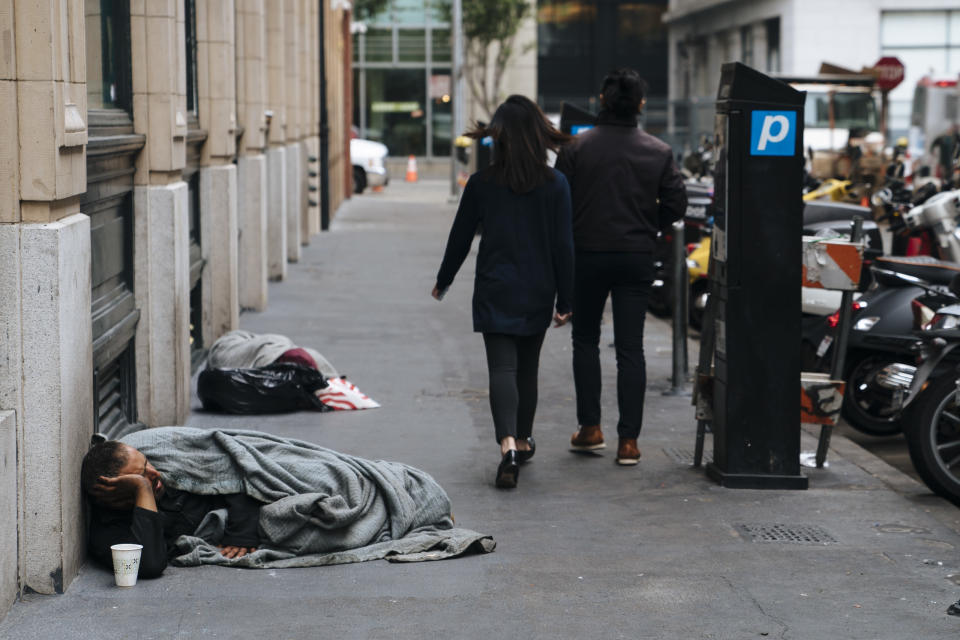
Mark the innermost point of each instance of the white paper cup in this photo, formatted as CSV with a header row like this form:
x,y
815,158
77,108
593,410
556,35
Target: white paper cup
x,y
126,563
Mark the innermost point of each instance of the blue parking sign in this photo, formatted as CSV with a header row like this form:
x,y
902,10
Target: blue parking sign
x,y
773,133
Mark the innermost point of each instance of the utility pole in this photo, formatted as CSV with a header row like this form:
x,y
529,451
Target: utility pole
x,y
457,95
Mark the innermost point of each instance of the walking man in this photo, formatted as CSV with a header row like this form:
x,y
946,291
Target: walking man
x,y
624,187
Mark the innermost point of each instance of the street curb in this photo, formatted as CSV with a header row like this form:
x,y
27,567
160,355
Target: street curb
x,y
917,492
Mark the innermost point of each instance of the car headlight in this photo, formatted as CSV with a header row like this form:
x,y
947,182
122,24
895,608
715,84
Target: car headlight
x,y
942,321
692,264
865,324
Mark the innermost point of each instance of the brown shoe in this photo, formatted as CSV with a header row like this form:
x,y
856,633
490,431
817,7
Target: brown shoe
x,y
587,439
627,452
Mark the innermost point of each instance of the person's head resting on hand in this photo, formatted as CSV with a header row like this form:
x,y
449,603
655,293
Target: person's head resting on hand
x,y
111,471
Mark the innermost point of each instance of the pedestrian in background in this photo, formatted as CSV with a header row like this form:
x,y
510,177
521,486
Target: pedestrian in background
x,y
625,188
524,274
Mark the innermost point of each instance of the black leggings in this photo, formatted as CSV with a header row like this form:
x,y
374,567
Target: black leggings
x,y
513,362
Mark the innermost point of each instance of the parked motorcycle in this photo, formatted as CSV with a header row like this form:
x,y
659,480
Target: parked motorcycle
x,y
929,396
697,222
883,318
904,293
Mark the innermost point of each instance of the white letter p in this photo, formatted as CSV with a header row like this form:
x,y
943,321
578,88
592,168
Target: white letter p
x,y
765,132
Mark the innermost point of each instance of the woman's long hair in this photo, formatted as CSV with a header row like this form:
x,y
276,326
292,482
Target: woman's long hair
x,y
521,137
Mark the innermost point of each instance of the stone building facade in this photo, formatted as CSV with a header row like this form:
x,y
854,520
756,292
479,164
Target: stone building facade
x,y
159,163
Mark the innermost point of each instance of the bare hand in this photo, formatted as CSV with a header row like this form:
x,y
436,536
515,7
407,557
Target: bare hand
x,y
120,492
435,293
229,551
561,319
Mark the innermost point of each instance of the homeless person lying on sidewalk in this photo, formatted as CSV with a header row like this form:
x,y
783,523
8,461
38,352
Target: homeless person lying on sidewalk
x,y
249,499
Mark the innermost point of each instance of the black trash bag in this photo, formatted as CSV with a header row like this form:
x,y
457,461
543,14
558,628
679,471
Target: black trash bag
x,y
276,388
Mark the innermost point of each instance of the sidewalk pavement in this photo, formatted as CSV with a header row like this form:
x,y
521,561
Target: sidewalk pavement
x,y
585,549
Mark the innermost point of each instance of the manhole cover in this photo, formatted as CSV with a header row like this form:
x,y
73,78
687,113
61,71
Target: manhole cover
x,y
794,534
685,456
901,528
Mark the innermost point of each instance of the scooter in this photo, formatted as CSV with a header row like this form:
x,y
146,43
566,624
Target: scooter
x,y
905,292
883,318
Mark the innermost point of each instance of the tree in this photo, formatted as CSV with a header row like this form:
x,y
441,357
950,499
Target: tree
x,y
489,33
366,9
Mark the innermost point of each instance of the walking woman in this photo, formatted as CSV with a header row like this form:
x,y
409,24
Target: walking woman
x,y
524,273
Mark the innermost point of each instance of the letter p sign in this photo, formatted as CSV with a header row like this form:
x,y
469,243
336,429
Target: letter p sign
x,y
773,133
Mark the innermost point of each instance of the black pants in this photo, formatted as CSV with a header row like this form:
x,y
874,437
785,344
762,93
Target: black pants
x,y
513,362
627,277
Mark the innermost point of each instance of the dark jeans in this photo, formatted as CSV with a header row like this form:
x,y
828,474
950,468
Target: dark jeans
x,y
627,276
513,362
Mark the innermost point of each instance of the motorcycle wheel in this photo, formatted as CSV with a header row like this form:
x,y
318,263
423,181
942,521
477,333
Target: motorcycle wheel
x,y
867,407
933,438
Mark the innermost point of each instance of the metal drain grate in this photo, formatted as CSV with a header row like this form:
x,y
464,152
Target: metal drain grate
x,y
793,534
685,456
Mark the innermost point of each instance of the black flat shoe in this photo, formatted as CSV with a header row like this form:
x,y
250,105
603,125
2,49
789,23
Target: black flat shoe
x,y
508,471
524,456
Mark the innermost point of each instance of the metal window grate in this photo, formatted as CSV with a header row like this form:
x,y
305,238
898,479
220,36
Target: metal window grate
x,y
685,456
793,534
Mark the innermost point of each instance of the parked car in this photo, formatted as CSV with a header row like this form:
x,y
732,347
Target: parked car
x,y
367,158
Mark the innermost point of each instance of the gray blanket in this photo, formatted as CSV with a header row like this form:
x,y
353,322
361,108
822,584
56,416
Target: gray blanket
x,y
245,350
321,507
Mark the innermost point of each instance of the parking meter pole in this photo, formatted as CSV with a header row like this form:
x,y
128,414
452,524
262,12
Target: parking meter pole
x,y
679,274
840,348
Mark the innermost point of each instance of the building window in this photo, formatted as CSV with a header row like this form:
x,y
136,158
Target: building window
x,y
398,91
773,45
395,110
190,31
579,41
108,201
746,45
928,44
108,60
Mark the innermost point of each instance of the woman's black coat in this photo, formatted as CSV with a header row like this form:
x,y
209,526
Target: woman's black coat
x,y
525,261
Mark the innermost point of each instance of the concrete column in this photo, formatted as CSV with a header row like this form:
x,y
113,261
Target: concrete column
x,y
45,326
304,194
57,397
294,197
162,286
251,48
313,210
252,220
277,213
218,202
11,381
160,214
9,510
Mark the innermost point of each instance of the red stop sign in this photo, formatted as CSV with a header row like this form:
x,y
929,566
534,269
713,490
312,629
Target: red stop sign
x,y
889,72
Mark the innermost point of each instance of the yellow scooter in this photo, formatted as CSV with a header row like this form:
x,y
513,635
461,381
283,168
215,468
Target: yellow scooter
x,y
698,262
836,190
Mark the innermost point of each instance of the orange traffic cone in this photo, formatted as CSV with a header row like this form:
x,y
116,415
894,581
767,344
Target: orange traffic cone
x,y
412,169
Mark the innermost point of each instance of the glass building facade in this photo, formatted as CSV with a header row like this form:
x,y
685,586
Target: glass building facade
x,y
579,41
402,79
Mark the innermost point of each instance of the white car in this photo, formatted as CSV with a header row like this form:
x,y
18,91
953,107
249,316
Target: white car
x,y
367,158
